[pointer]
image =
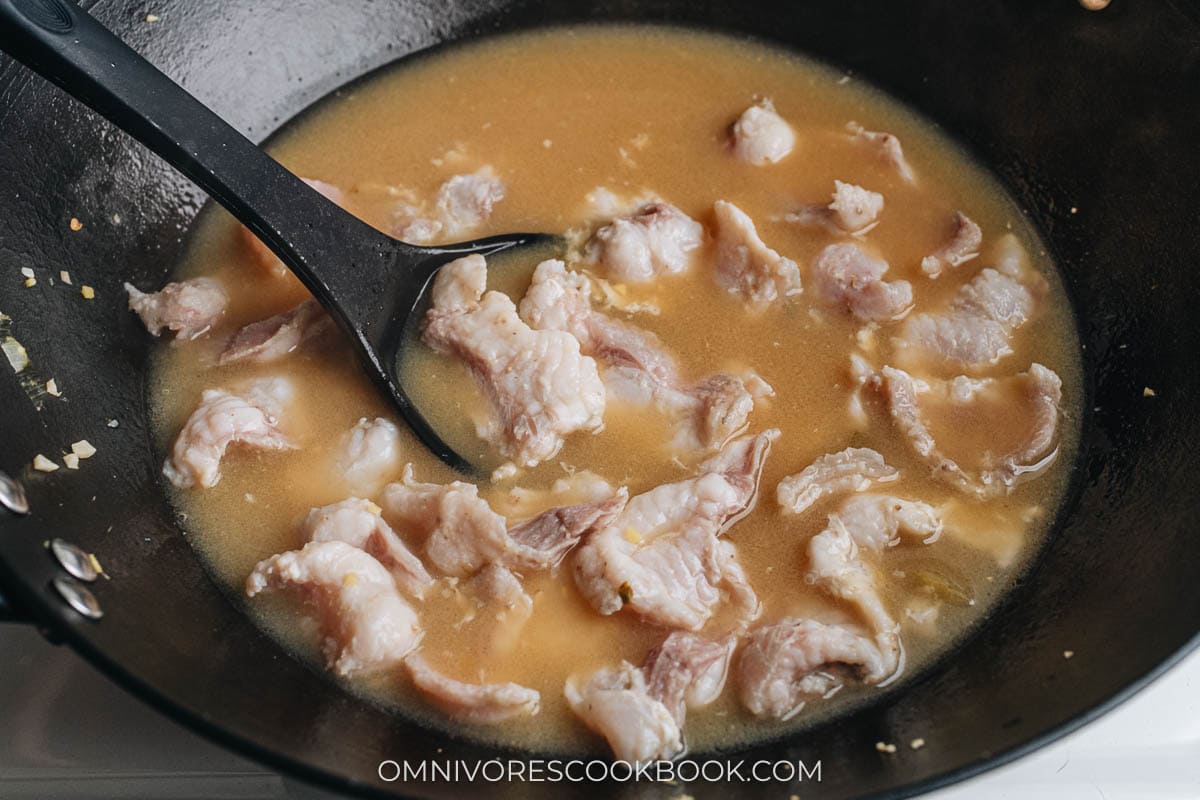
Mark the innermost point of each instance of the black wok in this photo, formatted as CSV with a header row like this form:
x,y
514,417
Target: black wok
x,y
1091,119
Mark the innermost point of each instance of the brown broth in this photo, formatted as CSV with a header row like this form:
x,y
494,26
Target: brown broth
x,y
634,110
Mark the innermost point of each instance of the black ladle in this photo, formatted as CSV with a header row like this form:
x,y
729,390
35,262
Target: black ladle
x,y
370,283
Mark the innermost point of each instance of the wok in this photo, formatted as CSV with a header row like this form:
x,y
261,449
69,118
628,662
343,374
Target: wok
x,y
1091,120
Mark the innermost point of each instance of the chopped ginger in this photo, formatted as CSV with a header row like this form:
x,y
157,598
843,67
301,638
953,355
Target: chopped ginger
x,y
87,292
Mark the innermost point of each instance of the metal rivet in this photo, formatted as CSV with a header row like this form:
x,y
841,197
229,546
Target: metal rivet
x,y
12,496
79,597
74,560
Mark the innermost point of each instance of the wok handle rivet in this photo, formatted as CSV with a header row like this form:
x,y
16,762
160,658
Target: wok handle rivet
x,y
75,560
78,597
12,495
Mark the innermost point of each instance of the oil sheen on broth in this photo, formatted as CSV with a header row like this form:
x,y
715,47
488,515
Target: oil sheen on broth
x,y
638,112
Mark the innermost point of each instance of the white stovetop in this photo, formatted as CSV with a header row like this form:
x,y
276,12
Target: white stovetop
x,y
67,733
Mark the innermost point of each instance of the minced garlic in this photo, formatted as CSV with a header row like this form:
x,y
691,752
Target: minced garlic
x,y
43,464
75,224
71,460
374,509
30,283
14,351
27,272
632,536
504,472
83,448
65,277
885,747
350,579
52,388
917,744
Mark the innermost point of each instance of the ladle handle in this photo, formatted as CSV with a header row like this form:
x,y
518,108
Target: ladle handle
x,y
71,49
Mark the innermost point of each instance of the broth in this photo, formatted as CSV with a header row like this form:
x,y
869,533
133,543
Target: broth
x,y
557,114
